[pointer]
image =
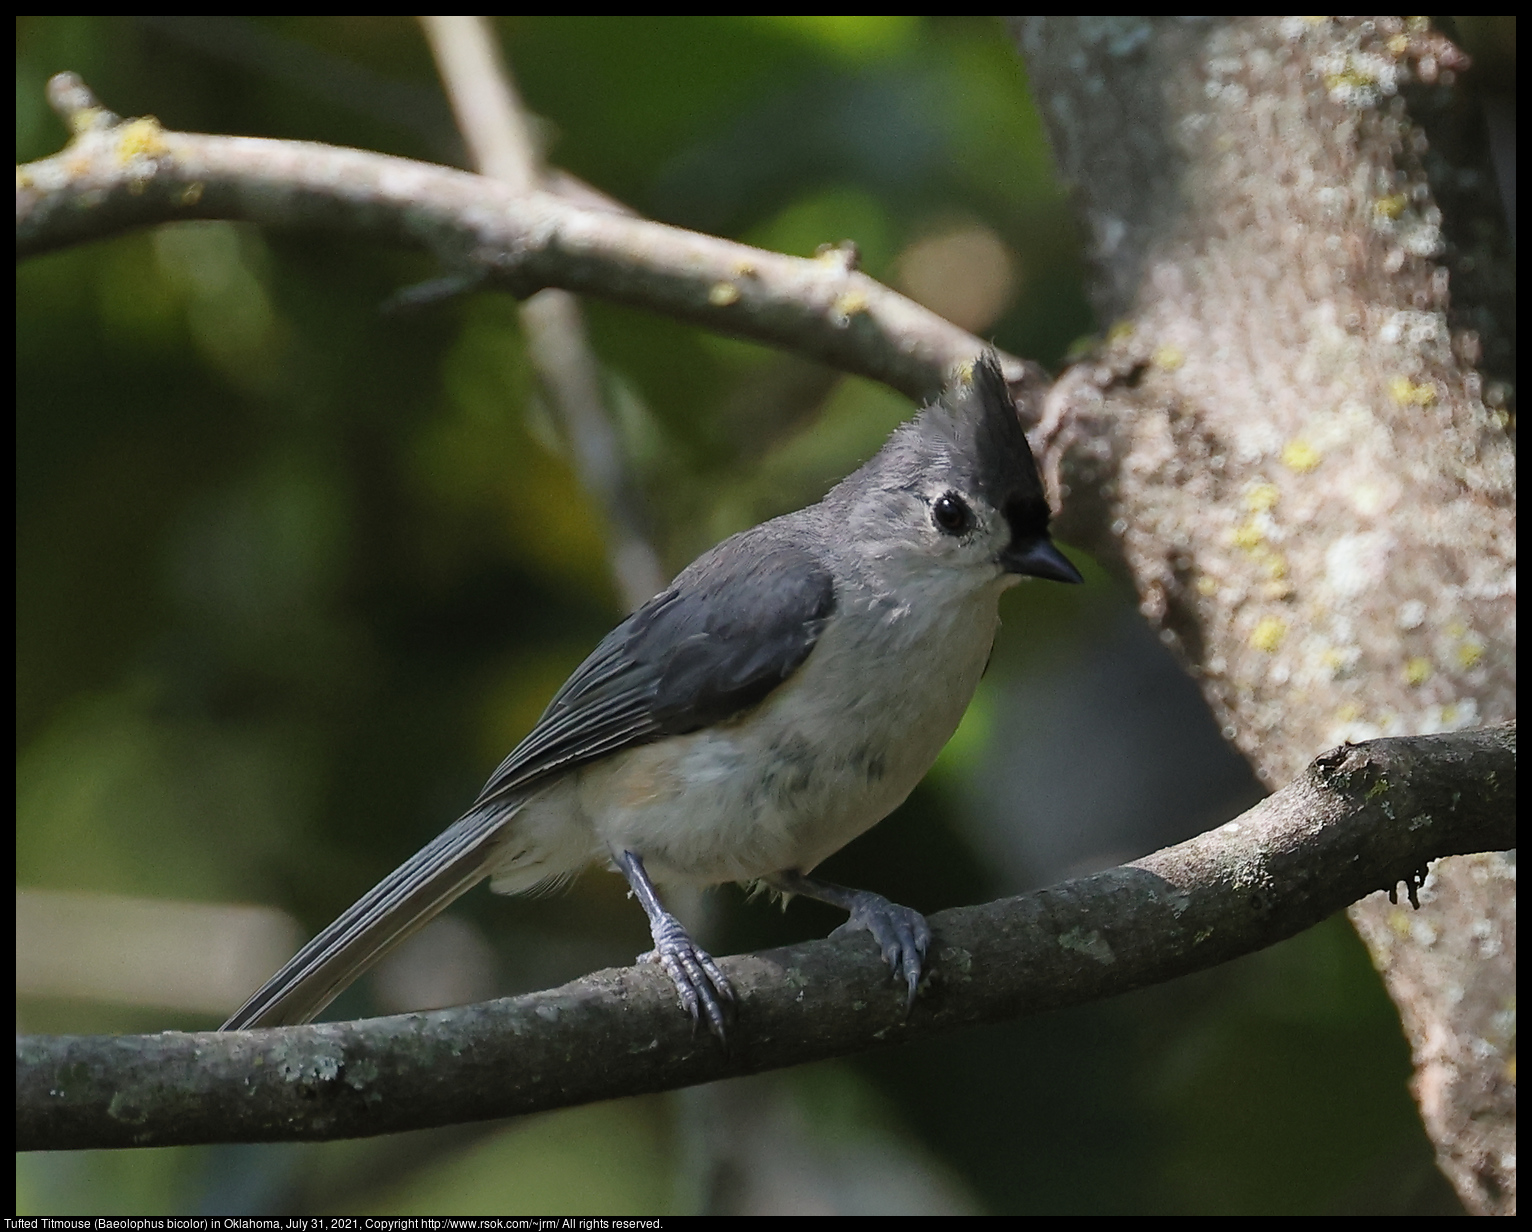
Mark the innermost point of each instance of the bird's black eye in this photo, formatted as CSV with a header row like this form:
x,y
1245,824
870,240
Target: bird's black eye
x,y
951,514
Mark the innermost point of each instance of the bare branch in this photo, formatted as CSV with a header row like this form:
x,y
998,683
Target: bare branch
x,y
117,175
1361,817
499,137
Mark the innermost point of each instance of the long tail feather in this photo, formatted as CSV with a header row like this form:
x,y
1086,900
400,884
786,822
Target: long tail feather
x,y
398,906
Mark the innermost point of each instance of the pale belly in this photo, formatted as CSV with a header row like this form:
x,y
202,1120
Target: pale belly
x,y
828,755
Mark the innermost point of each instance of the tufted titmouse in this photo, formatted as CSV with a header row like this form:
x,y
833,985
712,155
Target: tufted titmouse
x,y
784,694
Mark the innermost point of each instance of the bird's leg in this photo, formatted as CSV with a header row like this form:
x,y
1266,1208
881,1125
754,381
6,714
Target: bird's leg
x,y
699,983
901,932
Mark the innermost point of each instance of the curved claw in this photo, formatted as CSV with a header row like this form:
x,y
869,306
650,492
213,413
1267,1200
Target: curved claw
x,y
901,933
701,987
699,983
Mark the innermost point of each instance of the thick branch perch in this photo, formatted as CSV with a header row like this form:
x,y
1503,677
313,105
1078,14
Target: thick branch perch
x,y
118,175
1361,818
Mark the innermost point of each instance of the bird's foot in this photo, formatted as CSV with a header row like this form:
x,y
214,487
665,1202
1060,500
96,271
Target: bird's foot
x,y
901,933
700,985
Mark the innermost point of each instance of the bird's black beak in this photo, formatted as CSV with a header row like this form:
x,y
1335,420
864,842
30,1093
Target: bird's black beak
x,y
1039,558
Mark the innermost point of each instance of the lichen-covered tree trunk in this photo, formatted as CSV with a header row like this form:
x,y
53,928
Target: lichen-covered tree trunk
x,y
1295,439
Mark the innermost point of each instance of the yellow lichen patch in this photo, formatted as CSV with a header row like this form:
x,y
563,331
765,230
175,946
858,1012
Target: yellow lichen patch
x,y
1120,332
1352,78
140,138
1207,587
85,119
848,304
846,255
1349,713
1417,670
1275,565
1268,635
1407,393
1391,206
1167,358
1300,456
1249,536
1398,45
1261,497
1469,653
722,294
745,269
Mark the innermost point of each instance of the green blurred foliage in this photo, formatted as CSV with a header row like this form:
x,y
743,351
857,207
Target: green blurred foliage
x,y
292,576
545,1164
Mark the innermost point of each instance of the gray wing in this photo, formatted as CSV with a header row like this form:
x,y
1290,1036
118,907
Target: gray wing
x,y
735,624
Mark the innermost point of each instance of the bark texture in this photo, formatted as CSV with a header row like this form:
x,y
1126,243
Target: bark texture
x,y
1285,441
